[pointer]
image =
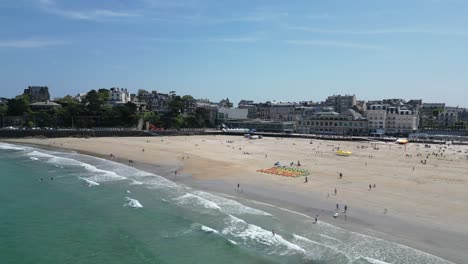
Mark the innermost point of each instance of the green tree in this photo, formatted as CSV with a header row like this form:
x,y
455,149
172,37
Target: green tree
x,y
152,118
179,121
104,96
125,115
176,105
18,106
67,115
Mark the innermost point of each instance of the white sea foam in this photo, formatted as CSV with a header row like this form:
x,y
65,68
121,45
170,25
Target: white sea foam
x,y
331,238
90,182
136,182
252,233
158,182
134,203
208,229
10,147
33,158
39,154
230,206
232,242
192,199
317,250
100,175
376,261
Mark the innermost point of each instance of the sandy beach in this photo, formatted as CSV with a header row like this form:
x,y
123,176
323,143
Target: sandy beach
x,y
420,205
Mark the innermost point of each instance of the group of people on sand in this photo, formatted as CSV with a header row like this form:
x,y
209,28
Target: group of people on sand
x,y
292,163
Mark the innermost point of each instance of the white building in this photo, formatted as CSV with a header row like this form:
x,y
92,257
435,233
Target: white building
x,y
387,119
448,117
377,116
347,123
401,120
119,96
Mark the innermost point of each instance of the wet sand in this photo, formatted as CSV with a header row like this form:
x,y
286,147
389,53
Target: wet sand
x,y
426,208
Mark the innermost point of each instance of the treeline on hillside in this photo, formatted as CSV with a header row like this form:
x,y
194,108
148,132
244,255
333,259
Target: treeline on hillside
x,y
95,111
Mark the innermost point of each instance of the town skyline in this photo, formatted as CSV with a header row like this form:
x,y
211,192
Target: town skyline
x,y
263,50
232,99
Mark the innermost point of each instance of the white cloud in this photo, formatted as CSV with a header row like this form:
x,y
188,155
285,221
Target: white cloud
x,y
208,40
383,31
92,14
333,43
234,39
29,43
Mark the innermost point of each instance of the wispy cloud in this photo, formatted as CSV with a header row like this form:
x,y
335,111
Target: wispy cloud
x,y
333,43
29,43
383,31
233,39
319,16
92,14
256,16
219,39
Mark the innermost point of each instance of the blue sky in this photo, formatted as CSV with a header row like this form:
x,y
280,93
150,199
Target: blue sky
x,y
242,49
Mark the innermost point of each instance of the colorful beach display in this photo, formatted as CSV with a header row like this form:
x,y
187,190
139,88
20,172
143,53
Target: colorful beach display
x,y
285,171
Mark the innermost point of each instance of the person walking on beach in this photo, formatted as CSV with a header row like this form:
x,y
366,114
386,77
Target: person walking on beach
x,y
345,208
336,191
337,207
316,219
370,187
341,175
306,180
273,232
238,186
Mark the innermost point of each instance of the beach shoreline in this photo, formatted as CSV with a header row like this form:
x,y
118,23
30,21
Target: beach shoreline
x,y
207,171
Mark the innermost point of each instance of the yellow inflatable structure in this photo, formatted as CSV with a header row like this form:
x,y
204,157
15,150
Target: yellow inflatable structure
x,y
343,153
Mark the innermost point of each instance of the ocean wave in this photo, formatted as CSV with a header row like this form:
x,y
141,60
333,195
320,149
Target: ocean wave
x,y
330,238
230,206
39,154
208,229
136,182
251,233
134,203
320,252
10,147
102,175
90,182
192,199
375,261
33,158
158,182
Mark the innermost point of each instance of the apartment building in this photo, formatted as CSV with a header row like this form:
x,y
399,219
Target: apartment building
x,y
349,122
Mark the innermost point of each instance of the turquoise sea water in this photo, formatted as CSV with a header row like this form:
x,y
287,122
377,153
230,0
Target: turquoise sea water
x,y
98,211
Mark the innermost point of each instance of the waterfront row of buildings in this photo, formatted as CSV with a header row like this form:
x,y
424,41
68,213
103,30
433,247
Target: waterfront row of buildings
x,y
336,115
